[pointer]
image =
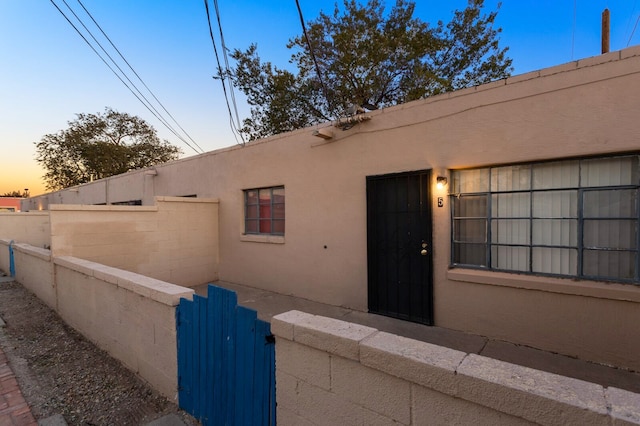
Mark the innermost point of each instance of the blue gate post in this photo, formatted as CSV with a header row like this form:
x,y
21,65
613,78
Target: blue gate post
x,y
12,263
184,319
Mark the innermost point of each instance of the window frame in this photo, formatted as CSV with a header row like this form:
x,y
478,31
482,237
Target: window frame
x,y
261,220
582,250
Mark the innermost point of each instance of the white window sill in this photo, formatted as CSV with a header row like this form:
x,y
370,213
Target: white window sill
x,y
269,239
598,289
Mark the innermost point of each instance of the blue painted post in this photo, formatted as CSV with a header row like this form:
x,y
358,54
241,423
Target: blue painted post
x,y
272,379
12,262
201,359
262,374
185,345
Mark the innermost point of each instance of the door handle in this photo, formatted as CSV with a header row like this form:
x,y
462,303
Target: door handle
x,y
424,251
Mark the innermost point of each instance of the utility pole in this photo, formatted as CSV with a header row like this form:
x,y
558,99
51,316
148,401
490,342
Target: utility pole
x,y
605,31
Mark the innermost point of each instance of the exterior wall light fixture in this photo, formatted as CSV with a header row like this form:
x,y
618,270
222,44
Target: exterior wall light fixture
x,y
441,182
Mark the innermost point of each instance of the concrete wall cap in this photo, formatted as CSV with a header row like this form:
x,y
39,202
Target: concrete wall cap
x,y
553,387
75,264
282,324
331,335
327,334
159,291
334,327
101,208
599,59
170,294
630,52
104,273
523,77
44,254
624,405
168,199
417,362
423,352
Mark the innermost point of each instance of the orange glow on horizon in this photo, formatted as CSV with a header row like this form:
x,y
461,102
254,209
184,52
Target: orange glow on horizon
x,y
15,177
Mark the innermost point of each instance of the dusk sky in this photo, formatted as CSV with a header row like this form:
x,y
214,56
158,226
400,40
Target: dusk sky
x,y
49,73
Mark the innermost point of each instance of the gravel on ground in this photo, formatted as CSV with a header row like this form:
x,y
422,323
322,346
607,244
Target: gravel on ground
x,y
61,372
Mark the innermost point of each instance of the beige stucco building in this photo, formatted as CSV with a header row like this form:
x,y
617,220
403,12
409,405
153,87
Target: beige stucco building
x,y
532,237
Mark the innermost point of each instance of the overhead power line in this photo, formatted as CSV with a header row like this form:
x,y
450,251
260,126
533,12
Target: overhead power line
x,y
313,55
138,76
146,102
226,62
222,74
131,86
634,30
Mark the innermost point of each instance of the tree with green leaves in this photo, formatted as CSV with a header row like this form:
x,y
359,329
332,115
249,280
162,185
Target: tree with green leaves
x,y
15,194
97,146
367,58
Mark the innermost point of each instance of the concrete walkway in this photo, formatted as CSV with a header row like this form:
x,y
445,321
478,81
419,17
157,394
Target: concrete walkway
x,y
268,304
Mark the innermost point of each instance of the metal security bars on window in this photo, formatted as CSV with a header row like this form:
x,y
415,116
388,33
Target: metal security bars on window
x,y
264,211
575,218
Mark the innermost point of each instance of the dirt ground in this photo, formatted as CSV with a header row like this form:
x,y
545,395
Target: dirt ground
x,y
61,372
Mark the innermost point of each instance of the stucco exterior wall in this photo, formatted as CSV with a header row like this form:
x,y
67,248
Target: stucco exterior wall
x,y
333,372
583,108
31,228
588,320
10,204
174,241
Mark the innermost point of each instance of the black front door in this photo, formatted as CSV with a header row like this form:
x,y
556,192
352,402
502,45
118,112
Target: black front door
x,y
399,246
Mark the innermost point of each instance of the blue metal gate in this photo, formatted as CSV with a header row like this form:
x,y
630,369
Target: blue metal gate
x,y
226,361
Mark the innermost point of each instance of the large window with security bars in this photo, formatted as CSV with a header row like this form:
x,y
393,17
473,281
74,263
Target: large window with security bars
x,y
264,211
575,217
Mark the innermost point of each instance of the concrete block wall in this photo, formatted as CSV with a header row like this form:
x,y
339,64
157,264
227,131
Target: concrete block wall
x,y
4,255
175,241
333,372
130,316
34,269
38,276
31,228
